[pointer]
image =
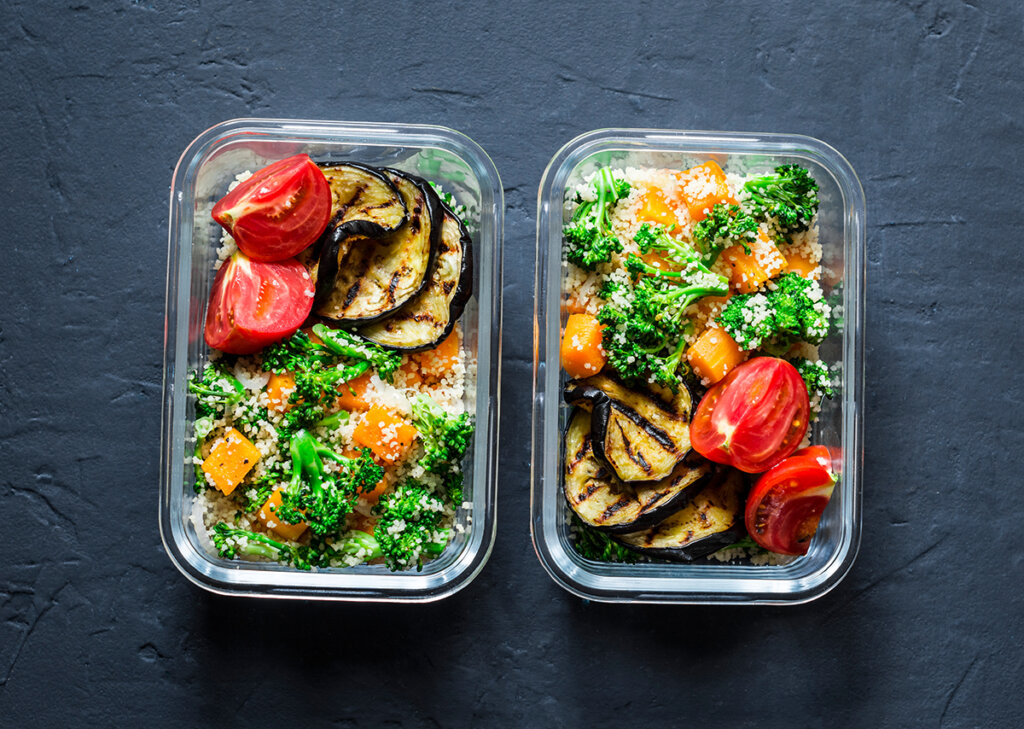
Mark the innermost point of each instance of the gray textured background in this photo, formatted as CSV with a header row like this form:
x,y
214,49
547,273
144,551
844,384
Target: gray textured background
x,y
97,101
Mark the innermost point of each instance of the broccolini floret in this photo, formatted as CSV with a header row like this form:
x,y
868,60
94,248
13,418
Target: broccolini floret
x,y
644,318
788,199
409,527
792,309
588,235
319,497
231,543
596,545
217,390
818,379
725,225
445,438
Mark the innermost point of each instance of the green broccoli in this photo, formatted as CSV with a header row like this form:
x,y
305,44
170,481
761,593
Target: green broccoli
x,y
725,225
217,391
644,320
594,544
231,542
818,380
445,439
588,235
321,498
344,344
788,199
409,526
792,309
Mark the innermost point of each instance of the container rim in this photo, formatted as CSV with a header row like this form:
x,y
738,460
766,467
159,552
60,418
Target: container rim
x,y
692,583
259,579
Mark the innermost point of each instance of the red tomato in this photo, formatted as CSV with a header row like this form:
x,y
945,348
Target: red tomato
x,y
254,304
753,418
785,505
279,211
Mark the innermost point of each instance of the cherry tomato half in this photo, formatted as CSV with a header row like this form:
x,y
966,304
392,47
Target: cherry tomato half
x,y
279,211
253,304
753,418
785,505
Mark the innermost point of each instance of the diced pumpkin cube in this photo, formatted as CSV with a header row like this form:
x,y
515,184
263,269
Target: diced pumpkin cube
x,y
279,389
386,434
230,459
802,264
437,362
768,255
654,208
714,354
581,352
269,518
745,274
703,187
352,394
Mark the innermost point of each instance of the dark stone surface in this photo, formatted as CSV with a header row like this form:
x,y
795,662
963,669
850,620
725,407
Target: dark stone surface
x,y
97,100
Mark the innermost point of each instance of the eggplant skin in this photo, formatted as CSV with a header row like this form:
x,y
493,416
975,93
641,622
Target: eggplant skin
x,y
639,435
364,201
605,502
363,280
431,315
713,519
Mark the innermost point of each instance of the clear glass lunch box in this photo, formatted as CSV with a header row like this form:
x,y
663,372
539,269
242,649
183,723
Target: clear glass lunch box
x,y
201,177
840,425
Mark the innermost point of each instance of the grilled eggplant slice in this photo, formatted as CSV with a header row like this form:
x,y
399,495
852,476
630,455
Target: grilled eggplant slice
x,y
364,201
605,502
362,280
430,316
638,434
712,520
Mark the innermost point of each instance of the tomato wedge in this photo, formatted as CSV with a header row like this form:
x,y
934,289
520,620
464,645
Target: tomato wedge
x,y
279,211
785,505
753,418
253,304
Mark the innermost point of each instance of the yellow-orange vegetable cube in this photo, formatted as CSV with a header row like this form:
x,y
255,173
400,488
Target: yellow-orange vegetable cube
x,y
714,354
386,434
581,352
230,459
703,187
654,208
801,264
269,518
279,389
437,362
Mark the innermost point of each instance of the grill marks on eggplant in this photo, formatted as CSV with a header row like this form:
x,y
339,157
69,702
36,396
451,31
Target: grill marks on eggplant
x,y
638,435
429,317
363,201
604,501
711,520
368,278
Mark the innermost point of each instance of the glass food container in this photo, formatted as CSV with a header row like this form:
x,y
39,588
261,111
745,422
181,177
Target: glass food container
x,y
201,177
840,425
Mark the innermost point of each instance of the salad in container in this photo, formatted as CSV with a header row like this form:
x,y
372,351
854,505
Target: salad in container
x,y
331,396
696,425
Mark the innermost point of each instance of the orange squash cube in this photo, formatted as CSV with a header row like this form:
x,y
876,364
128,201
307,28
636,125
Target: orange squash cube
x,y
654,208
268,517
230,459
386,434
714,354
703,187
279,389
437,362
801,264
581,352
352,394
